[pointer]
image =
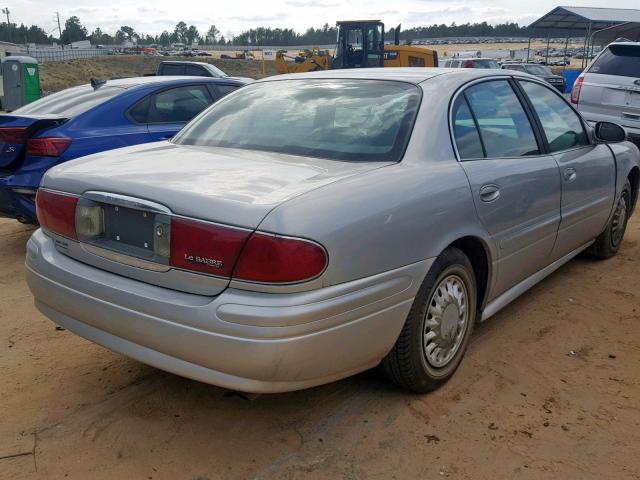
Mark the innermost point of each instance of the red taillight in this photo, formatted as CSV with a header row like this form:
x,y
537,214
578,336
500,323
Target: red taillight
x,y
47,147
575,91
205,247
275,259
16,135
57,212
257,257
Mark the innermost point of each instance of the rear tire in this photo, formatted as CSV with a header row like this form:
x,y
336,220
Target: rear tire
x,y
437,330
608,242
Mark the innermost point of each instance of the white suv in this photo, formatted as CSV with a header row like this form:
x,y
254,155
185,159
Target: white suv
x,y
609,88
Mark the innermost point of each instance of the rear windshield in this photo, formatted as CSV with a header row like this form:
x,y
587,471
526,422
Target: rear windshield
x,y
351,120
621,60
70,102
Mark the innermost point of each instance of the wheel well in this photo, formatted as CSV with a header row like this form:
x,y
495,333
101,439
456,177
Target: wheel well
x,y
476,252
634,180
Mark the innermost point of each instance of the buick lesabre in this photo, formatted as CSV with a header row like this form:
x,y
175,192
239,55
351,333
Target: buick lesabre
x,y
308,227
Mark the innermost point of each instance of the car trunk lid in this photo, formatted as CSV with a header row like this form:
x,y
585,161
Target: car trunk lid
x,y
228,188
15,130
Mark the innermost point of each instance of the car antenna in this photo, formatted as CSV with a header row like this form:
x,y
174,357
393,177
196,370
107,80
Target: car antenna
x,y
95,83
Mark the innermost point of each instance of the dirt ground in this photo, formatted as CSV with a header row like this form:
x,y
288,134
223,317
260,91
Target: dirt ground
x,y
55,76
550,389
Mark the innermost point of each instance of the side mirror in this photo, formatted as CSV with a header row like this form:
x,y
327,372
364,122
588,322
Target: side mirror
x,y
607,132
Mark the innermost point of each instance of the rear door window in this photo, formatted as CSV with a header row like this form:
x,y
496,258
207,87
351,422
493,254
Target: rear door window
x,y
504,125
620,60
560,123
465,131
178,105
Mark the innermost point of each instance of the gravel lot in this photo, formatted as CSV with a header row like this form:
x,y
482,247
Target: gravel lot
x,y
550,389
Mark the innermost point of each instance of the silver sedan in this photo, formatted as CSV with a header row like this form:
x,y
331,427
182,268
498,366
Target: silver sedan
x,y
312,226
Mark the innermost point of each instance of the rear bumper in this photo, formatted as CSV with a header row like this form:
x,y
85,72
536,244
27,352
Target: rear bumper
x,y
17,205
241,340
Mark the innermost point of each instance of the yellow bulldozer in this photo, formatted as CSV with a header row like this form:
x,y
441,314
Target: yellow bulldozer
x,y
360,45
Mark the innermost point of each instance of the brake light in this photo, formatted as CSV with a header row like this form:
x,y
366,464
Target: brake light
x,y
48,146
16,135
205,247
57,212
275,259
575,91
257,257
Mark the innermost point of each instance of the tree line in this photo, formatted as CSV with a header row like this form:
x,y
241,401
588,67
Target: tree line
x,y
188,34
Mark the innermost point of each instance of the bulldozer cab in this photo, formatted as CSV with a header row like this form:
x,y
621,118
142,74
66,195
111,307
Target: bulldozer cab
x,y
360,44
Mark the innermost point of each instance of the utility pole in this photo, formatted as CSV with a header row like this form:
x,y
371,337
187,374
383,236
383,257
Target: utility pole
x,y
6,12
59,30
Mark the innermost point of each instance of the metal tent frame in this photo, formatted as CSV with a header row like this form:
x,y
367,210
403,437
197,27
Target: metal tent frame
x,y
590,22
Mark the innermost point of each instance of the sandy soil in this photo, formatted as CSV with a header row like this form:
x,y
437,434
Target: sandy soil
x,y
549,389
55,76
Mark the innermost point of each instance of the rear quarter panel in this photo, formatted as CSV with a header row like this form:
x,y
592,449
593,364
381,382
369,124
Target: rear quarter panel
x,y
382,220
627,158
397,215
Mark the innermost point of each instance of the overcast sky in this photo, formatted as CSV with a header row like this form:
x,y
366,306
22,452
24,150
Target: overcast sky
x,y
232,17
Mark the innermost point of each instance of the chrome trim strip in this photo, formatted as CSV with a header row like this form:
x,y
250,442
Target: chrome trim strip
x,y
59,192
124,259
126,201
514,292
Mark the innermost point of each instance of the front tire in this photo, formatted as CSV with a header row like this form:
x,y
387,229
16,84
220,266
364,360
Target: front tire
x,y
437,330
608,242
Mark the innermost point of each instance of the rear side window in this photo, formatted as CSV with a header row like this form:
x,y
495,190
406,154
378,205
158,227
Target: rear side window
x,y
138,113
504,126
226,89
465,131
179,104
196,71
560,123
621,60
171,69
70,102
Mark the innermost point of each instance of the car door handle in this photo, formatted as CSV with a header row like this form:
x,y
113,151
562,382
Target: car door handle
x,y
489,193
569,174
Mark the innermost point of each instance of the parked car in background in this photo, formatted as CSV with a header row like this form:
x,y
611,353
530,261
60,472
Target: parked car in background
x,y
471,63
93,118
609,88
197,69
370,217
541,71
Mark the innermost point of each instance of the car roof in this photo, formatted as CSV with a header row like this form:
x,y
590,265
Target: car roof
x,y
402,74
132,82
634,44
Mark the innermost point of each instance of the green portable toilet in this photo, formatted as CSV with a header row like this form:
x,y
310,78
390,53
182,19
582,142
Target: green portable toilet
x,y
20,80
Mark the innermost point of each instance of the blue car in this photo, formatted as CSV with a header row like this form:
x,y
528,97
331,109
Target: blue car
x,y
93,118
